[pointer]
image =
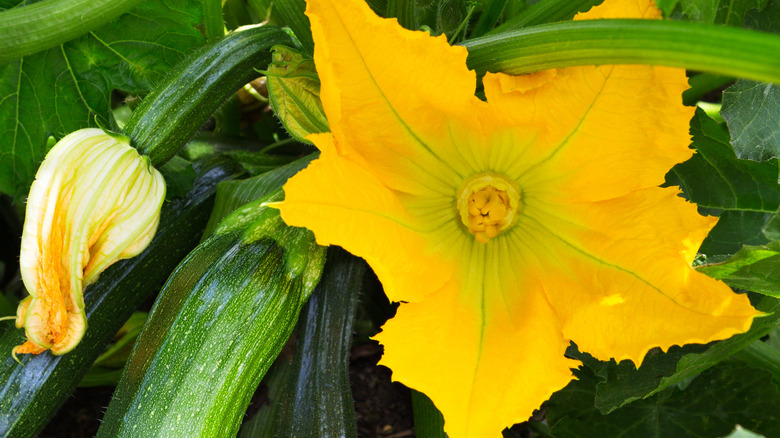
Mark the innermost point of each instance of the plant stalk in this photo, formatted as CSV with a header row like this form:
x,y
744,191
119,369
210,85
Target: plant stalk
x,y
717,49
29,29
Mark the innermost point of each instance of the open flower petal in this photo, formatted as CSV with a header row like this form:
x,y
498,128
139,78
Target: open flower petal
x,y
624,283
367,218
596,120
487,347
369,80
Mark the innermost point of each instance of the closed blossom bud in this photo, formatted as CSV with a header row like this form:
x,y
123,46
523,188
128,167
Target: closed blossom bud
x,y
294,92
94,201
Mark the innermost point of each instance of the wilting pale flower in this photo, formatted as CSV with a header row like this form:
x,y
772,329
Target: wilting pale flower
x,y
94,201
506,228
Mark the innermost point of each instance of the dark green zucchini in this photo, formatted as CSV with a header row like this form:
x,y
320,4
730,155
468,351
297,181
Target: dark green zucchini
x,y
428,421
196,88
30,394
220,321
318,399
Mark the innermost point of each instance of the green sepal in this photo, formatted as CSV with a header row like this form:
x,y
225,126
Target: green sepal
x,y
294,92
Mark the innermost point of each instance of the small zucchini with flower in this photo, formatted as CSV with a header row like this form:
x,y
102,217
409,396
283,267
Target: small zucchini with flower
x,y
32,392
96,200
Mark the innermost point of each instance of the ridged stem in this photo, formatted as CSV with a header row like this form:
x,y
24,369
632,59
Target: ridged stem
x,y
29,29
717,49
292,12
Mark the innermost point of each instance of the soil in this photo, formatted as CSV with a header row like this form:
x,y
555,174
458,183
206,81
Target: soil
x,y
383,409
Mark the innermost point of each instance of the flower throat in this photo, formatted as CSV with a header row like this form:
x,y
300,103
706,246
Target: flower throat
x,y
488,205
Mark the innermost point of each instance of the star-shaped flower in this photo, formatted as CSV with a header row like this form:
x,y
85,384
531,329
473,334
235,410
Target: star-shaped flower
x,y
506,228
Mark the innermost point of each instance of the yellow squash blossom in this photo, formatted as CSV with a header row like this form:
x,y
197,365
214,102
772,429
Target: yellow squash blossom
x,y
94,201
506,228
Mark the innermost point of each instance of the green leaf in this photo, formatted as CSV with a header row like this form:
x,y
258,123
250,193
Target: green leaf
x,y
774,339
714,177
700,10
667,6
733,12
449,16
490,15
294,93
762,355
292,13
258,162
64,88
701,84
752,109
213,24
755,268
547,11
745,194
623,383
710,406
729,12
765,17
734,229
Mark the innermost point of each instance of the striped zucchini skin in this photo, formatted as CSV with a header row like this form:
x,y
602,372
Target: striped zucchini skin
x,y
177,108
30,394
318,399
219,323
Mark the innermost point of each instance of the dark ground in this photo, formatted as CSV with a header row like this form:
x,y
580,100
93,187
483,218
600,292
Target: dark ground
x,y
383,409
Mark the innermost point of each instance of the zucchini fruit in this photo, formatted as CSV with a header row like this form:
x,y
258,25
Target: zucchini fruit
x,y
318,398
176,109
31,393
220,321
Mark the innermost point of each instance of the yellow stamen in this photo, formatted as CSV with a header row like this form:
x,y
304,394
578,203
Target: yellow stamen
x,y
488,204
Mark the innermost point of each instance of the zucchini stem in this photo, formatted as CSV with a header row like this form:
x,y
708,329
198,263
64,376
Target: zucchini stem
x,y
29,29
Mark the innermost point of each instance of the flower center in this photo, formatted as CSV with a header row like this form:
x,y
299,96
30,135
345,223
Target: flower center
x,y
488,204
